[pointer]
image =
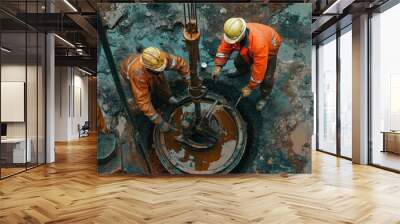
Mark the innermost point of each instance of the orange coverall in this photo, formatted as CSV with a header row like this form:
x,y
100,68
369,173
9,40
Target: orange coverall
x,y
143,81
262,42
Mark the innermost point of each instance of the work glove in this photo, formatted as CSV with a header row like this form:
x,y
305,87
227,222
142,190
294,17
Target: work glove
x,y
216,73
173,100
156,119
246,91
165,127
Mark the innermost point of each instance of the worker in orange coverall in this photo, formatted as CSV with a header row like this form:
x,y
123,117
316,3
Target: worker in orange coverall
x,y
145,73
258,47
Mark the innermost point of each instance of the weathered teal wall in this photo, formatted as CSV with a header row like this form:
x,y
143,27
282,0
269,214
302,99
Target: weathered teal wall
x,y
280,136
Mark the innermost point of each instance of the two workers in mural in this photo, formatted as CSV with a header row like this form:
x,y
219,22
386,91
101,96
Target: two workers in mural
x,y
257,44
233,107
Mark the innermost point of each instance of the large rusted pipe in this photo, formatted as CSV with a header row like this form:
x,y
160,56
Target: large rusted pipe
x,y
192,45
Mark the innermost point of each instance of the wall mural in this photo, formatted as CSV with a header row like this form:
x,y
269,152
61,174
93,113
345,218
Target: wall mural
x,y
204,88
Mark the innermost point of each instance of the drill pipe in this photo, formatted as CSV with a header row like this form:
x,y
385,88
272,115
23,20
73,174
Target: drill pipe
x,y
192,38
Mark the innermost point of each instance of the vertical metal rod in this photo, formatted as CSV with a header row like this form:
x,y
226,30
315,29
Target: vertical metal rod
x,y
45,89
369,88
1,24
73,90
338,98
192,11
195,15
184,14
316,115
197,109
191,16
192,20
26,86
69,92
37,88
188,10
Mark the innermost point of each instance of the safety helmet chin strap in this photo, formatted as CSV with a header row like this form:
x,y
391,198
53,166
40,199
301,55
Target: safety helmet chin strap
x,y
244,41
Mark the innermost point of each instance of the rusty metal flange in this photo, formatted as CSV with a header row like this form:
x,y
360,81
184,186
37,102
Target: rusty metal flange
x,y
220,159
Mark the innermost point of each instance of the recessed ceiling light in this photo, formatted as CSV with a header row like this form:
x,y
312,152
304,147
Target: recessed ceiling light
x,y
70,5
5,50
84,71
338,6
64,40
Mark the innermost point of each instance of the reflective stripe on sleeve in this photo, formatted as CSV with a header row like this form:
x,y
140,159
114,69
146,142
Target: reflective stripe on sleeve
x,y
153,117
274,43
253,80
220,55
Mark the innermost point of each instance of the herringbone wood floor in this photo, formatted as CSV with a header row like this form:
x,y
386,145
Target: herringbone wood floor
x,y
70,191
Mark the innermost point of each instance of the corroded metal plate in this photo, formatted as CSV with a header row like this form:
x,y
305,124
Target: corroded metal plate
x,y
221,158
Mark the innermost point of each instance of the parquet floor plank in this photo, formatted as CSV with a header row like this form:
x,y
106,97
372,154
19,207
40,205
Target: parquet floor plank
x,y
70,191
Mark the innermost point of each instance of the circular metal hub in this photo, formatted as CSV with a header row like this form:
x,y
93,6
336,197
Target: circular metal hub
x,y
222,157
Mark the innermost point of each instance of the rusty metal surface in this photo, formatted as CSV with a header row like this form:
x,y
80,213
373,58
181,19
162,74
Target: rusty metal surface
x,y
222,158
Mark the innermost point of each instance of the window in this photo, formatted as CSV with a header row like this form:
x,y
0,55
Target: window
x,y
385,89
346,92
327,95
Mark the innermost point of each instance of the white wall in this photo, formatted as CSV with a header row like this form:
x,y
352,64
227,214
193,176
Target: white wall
x,y
71,102
16,73
327,95
12,73
61,103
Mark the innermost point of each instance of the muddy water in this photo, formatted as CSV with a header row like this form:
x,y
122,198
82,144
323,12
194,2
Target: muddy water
x,y
208,161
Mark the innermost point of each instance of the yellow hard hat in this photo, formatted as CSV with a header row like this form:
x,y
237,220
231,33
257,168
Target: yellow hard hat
x,y
153,59
234,30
